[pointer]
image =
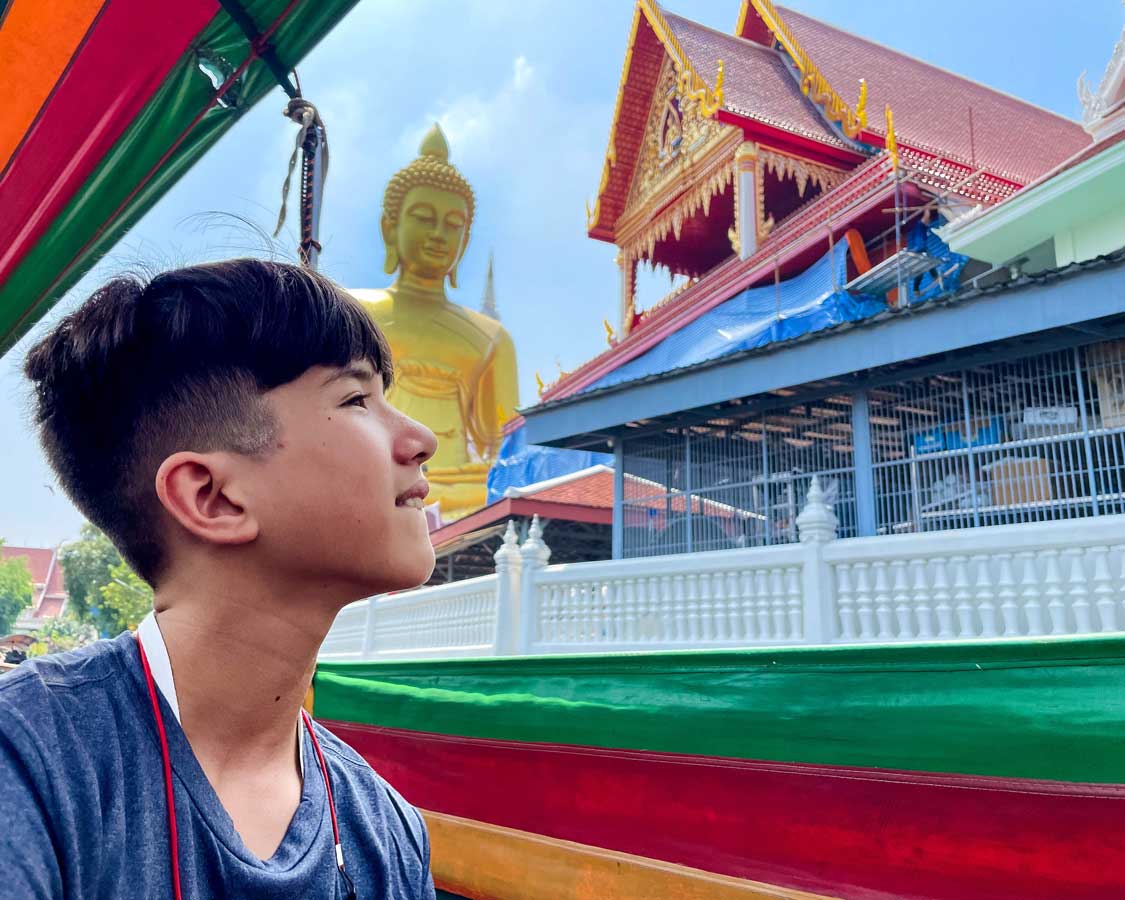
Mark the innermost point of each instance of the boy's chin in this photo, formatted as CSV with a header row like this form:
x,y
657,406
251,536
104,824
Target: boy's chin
x,y
403,576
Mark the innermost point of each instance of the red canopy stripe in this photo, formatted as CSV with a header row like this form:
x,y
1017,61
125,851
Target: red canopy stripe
x,y
37,42
92,105
845,831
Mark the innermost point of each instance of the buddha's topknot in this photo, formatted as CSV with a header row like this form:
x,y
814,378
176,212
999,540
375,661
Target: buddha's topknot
x,y
432,168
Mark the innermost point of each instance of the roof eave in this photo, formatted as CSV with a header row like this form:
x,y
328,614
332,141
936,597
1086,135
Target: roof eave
x,y
1037,213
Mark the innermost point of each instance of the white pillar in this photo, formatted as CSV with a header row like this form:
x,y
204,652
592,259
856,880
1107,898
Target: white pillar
x,y
508,569
535,555
746,200
816,526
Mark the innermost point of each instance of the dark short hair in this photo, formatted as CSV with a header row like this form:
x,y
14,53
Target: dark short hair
x,y
141,371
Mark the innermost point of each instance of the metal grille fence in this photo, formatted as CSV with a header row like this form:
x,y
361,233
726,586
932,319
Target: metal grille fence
x,y
746,478
1025,440
1032,439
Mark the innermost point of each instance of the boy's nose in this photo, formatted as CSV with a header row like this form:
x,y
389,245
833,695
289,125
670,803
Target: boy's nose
x,y
418,443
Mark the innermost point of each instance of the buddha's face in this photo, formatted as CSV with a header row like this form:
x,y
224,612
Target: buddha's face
x,y
430,235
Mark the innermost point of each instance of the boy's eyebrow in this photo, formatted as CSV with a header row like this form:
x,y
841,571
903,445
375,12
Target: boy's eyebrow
x,y
358,372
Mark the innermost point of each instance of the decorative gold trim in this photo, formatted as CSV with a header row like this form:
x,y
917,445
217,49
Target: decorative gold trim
x,y
692,86
742,13
745,159
813,81
642,244
746,154
611,151
610,334
892,140
662,168
785,166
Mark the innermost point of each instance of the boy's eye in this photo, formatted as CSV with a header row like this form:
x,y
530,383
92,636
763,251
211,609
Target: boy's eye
x,y
357,400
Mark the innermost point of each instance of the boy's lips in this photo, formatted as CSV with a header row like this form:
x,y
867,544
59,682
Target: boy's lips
x,y
415,495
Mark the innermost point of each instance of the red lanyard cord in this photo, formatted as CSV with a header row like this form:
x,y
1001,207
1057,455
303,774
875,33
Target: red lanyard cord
x,y
331,805
173,840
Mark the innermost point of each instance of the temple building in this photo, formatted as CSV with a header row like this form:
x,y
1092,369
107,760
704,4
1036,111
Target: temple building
x,y
884,274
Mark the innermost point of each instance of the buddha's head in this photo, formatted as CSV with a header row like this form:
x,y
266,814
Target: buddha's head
x,y
427,214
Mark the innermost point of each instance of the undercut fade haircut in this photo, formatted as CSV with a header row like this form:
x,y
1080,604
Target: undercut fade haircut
x,y
144,370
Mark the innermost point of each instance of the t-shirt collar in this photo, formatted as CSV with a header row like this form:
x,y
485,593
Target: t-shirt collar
x,y
161,666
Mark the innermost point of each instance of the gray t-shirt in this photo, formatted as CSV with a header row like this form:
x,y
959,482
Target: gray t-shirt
x,y
83,811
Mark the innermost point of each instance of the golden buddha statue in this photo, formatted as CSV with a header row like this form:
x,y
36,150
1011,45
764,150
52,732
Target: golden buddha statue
x,y
455,368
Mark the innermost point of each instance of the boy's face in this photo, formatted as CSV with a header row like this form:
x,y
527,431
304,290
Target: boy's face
x,y
339,498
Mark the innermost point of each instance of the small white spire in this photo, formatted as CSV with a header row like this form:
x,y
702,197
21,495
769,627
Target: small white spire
x,y
488,299
817,522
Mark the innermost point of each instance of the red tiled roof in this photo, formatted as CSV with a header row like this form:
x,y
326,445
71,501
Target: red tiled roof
x,y
1080,157
46,570
587,498
595,489
1009,136
756,83
38,560
49,608
642,69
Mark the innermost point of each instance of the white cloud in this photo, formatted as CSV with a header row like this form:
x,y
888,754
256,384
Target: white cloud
x,y
474,125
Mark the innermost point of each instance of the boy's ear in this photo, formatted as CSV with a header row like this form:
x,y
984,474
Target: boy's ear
x,y
197,491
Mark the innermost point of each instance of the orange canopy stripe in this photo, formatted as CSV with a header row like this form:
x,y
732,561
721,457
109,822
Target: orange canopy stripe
x,y
476,859
37,42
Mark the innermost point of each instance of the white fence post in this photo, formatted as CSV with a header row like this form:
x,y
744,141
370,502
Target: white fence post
x,y
816,526
535,555
508,566
369,625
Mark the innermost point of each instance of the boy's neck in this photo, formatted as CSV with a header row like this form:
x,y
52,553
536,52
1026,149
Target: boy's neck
x,y
243,660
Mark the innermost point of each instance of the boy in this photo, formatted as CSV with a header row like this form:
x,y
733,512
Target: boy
x,y
225,425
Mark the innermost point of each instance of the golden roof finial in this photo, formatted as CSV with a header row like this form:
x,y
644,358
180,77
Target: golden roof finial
x,y
861,104
892,140
610,334
813,82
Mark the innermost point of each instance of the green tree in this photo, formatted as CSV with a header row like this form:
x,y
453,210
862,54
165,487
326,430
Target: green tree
x,y
15,591
62,634
86,570
127,598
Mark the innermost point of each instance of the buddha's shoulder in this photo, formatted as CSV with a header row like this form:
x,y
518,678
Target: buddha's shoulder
x,y
374,299
484,325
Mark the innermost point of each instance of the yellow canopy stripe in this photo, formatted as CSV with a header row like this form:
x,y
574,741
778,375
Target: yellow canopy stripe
x,y
478,859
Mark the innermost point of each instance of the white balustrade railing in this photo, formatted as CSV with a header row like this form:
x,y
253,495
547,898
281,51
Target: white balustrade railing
x,y
1046,578
723,599
1007,581
457,619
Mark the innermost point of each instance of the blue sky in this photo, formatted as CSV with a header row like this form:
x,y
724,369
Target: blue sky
x,y
524,90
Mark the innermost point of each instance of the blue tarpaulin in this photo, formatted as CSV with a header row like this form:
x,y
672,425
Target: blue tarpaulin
x,y
929,286
769,314
755,317
519,464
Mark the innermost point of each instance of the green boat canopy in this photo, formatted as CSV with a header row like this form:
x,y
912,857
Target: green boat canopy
x,y
108,103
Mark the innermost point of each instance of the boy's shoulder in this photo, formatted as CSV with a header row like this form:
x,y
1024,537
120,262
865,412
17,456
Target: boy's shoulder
x,y
41,689
59,671
371,790
357,768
